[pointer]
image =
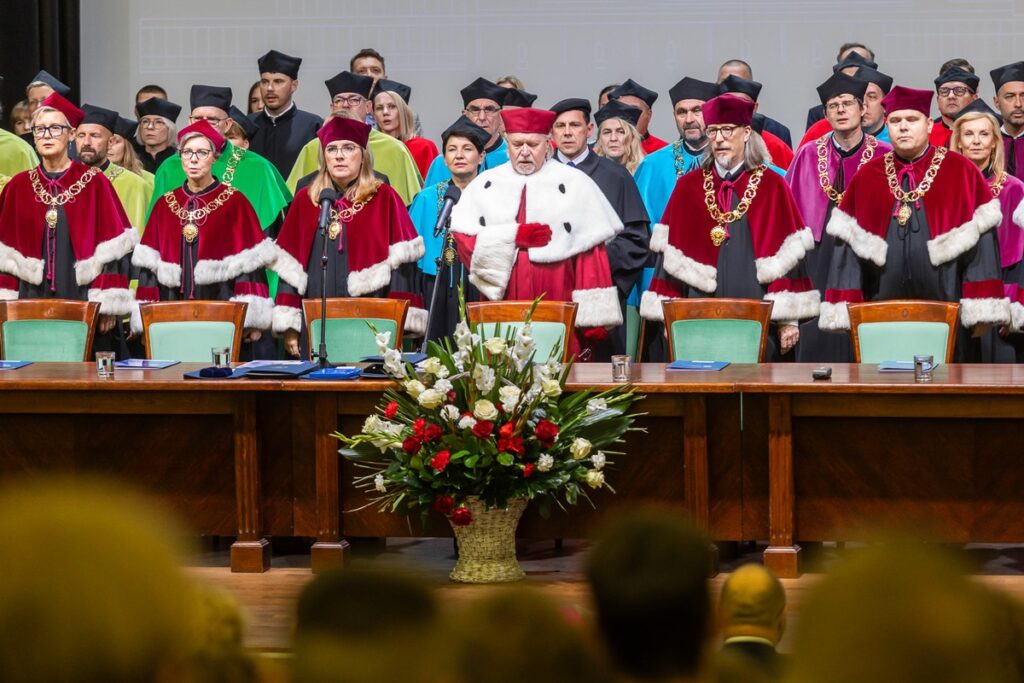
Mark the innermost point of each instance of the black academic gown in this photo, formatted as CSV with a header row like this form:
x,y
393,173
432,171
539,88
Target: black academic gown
x,y
280,140
628,252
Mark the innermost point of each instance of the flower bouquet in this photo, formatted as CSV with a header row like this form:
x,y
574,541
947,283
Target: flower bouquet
x,y
481,431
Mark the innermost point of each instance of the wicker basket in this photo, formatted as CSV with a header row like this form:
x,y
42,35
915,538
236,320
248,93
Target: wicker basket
x,y
487,546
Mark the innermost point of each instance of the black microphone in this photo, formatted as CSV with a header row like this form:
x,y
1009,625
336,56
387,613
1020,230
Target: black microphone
x,y
327,199
451,198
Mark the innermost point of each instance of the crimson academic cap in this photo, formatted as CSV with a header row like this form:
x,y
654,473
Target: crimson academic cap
x,y
735,84
100,116
617,110
692,89
343,128
483,89
528,120
729,110
347,81
633,89
204,128
400,89
519,98
1007,74
279,63
210,96
73,114
572,104
465,128
841,84
158,106
958,75
49,79
901,98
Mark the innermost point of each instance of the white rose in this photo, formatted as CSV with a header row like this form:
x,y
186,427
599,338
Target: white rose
x,y
432,365
484,410
580,449
509,397
467,423
495,346
598,459
484,377
431,398
551,388
595,479
596,405
545,463
414,387
443,386
378,484
450,413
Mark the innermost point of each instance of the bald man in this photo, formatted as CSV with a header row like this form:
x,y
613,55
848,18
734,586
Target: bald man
x,y
752,615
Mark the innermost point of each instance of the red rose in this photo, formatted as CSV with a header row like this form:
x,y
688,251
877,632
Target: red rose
x,y
483,429
440,461
418,426
391,410
546,431
507,429
443,504
527,470
511,444
432,433
411,445
462,517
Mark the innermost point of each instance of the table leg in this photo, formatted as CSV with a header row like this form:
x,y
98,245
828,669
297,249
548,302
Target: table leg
x,y
695,459
329,549
782,555
251,551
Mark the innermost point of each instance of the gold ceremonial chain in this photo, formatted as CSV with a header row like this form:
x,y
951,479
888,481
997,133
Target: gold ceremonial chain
x,y
113,172
901,195
61,199
719,233
344,216
996,187
191,218
229,168
834,195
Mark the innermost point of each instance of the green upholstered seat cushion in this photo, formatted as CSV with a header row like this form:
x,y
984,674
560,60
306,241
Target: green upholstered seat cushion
x,y
349,340
902,340
189,341
726,339
45,340
546,335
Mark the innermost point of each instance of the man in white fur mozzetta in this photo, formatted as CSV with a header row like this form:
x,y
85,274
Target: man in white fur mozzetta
x,y
535,227
916,223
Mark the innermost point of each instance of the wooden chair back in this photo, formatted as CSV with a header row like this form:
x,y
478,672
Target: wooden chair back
x,y
727,331
348,343
187,330
48,341
909,324
549,313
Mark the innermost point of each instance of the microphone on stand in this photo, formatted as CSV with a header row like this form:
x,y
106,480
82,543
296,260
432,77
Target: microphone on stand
x,y
451,198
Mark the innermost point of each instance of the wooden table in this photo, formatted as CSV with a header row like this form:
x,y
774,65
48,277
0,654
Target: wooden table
x,y
750,452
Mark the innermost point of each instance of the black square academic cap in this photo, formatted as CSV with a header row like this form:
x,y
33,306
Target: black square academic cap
x,y
49,79
633,89
1007,74
247,125
958,75
841,84
735,84
483,89
692,89
400,89
615,109
100,116
158,106
866,73
210,96
463,127
279,63
519,98
572,104
347,81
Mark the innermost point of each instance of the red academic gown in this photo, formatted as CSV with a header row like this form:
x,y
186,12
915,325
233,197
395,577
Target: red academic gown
x,y
423,152
652,143
84,257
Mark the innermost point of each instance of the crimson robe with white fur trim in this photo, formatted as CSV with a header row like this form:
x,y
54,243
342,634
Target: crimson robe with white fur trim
x,y
98,227
959,211
780,241
379,240
573,266
230,256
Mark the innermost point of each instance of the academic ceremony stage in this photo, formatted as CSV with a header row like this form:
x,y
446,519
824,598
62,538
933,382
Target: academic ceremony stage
x,y
753,453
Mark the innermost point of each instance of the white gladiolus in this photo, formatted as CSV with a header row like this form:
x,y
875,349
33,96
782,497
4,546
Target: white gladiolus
x,y
449,413
431,398
596,405
495,346
484,410
484,377
378,484
467,422
598,459
545,463
580,449
595,479
414,387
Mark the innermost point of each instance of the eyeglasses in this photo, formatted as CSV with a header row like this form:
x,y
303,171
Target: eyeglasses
x,y
350,101
346,150
153,123
49,131
200,154
726,131
841,104
959,91
477,111
212,120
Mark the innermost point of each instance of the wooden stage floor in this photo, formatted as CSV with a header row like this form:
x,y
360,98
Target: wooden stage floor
x,y
268,599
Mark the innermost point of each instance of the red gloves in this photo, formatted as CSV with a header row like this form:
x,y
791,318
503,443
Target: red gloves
x,y
533,235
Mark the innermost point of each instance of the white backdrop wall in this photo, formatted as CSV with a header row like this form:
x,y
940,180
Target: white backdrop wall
x,y
561,48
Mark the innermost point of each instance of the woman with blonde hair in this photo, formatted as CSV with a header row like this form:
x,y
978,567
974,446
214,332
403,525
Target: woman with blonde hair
x,y
617,136
393,116
976,135
372,244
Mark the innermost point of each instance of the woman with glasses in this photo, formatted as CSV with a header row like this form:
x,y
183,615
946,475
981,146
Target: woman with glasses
x,y
372,246
203,240
394,117
63,233
157,131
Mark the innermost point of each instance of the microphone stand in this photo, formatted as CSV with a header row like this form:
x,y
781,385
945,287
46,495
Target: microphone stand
x,y
442,268
322,353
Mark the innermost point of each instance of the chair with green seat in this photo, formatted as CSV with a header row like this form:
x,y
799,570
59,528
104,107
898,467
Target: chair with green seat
x,y
732,330
186,331
901,329
42,330
349,337
552,320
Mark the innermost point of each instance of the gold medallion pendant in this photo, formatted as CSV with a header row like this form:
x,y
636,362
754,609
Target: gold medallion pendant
x,y
333,230
903,215
51,217
718,235
190,232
